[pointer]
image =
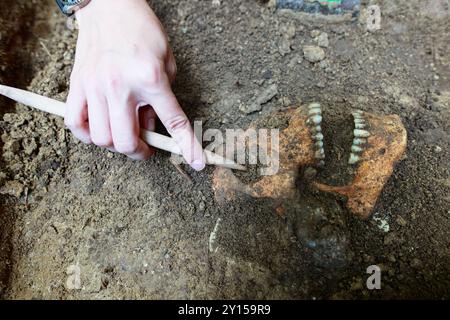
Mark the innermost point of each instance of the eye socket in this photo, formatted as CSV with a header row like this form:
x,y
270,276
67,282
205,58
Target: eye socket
x,y
382,151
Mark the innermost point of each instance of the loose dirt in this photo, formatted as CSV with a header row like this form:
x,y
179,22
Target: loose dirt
x,y
141,230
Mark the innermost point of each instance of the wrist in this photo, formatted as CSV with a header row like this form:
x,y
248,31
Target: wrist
x,y
87,12
95,8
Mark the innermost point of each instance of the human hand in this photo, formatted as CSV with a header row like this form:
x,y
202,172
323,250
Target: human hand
x,y
121,81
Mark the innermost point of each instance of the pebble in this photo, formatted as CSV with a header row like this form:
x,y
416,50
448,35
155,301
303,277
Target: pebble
x,y
416,263
12,188
401,222
2,177
29,145
250,108
322,40
357,285
268,94
324,64
315,33
310,173
391,258
201,207
262,98
284,47
313,53
290,31
437,149
12,146
389,239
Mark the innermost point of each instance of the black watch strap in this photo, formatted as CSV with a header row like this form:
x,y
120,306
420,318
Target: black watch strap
x,y
68,7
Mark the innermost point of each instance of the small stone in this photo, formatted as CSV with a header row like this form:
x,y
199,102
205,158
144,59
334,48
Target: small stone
x,y
267,74
201,207
391,258
2,178
250,108
12,146
16,119
268,94
401,222
286,102
313,53
29,145
12,188
357,285
284,47
290,32
8,156
320,84
324,64
389,239
437,149
322,40
262,98
310,173
62,135
315,33
416,263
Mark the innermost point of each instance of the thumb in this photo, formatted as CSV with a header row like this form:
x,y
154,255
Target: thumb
x,y
177,124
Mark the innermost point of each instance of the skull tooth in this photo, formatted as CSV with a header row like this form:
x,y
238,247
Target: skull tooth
x,y
360,126
361,133
359,121
320,154
319,144
315,111
356,149
314,105
318,137
353,159
359,141
316,119
357,114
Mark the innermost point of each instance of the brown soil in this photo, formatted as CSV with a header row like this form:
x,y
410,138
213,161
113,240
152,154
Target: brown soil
x,y
141,230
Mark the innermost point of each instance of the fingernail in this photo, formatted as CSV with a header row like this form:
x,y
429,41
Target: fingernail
x,y
198,165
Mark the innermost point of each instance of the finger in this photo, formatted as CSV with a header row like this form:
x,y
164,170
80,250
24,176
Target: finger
x,y
177,124
76,117
125,129
99,120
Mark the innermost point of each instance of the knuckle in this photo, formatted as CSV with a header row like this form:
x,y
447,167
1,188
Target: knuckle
x,y
91,83
176,123
127,147
114,81
89,78
154,75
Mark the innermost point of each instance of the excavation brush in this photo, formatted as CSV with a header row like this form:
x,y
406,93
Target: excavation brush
x,y
153,139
